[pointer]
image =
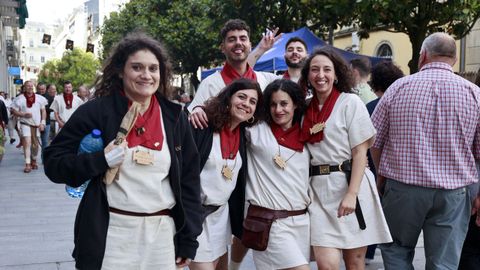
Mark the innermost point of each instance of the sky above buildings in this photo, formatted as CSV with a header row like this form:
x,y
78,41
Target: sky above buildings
x,y
49,11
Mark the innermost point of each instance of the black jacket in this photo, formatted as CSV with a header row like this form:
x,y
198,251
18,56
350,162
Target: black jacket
x,y
63,165
236,204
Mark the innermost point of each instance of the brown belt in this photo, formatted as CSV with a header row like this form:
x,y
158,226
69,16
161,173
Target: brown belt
x,y
262,212
164,212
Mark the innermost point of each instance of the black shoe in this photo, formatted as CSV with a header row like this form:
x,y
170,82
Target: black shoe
x,y
12,140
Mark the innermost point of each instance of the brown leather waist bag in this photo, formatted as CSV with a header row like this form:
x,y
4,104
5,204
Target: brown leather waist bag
x,y
257,224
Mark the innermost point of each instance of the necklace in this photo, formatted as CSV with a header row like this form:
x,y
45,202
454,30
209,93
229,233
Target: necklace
x,y
227,172
279,161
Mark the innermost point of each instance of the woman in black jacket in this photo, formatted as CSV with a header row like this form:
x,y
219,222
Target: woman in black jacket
x,y
223,167
150,215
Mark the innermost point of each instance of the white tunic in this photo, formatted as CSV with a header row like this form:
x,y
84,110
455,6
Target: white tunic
x,y
143,188
141,242
281,189
216,190
348,126
20,104
213,84
59,106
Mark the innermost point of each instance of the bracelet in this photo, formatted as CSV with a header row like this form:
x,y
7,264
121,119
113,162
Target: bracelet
x,y
199,106
42,122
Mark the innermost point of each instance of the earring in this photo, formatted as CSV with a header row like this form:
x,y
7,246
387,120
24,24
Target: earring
x,y
251,120
335,81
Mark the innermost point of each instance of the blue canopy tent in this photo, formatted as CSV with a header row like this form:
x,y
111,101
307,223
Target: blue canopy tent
x,y
273,59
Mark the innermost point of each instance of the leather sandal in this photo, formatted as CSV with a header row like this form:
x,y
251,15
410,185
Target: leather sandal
x,y
34,165
28,168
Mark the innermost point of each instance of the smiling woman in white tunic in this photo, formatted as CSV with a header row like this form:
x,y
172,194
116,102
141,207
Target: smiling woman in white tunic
x,y
278,178
345,218
223,168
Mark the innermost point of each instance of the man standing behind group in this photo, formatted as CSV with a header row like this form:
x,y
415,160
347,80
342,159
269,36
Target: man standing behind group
x,y
428,139
236,47
30,110
296,52
64,105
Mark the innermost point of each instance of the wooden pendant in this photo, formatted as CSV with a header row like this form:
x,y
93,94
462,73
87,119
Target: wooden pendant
x,y
227,172
280,162
317,128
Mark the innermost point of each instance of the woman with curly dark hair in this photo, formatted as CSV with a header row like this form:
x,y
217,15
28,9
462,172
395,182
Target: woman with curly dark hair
x,y
148,215
345,213
223,163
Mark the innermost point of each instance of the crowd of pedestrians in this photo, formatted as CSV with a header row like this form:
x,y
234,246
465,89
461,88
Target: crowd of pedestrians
x,y
34,116
323,162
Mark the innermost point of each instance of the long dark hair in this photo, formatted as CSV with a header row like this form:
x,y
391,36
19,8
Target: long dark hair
x,y
293,90
136,41
342,70
218,108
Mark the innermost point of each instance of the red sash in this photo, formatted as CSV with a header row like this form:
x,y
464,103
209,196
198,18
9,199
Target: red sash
x,y
314,115
289,138
147,130
68,98
30,99
229,142
229,74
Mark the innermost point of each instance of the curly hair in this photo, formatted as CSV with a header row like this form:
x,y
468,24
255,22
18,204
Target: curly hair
x,y
342,71
383,75
293,90
135,41
233,24
218,108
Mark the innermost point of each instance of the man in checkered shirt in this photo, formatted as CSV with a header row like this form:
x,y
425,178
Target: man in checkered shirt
x,y
428,140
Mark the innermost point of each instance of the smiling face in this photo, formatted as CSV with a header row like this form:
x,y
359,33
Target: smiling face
x,y
29,88
282,109
321,75
295,54
242,106
141,76
236,46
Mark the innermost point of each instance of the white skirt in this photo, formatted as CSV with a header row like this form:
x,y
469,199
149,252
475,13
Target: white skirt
x,y
139,243
215,237
288,245
327,230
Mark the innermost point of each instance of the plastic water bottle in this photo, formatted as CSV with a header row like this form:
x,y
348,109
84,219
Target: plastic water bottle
x,y
91,143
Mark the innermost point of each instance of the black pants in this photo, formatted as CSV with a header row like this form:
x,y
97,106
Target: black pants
x,y
470,259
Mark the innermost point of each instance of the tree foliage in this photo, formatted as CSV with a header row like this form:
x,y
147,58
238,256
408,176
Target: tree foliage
x,y
183,26
418,19
76,66
189,28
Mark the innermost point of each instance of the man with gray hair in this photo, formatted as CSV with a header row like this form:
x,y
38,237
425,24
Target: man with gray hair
x,y
428,139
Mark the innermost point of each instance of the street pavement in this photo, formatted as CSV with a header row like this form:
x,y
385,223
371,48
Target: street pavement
x,y
37,217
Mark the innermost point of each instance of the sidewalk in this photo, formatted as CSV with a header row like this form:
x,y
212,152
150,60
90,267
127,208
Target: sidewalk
x,y
37,216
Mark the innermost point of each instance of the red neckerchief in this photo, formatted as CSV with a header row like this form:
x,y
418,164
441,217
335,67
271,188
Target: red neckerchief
x,y
286,75
229,142
147,130
229,74
313,116
289,138
30,99
68,98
